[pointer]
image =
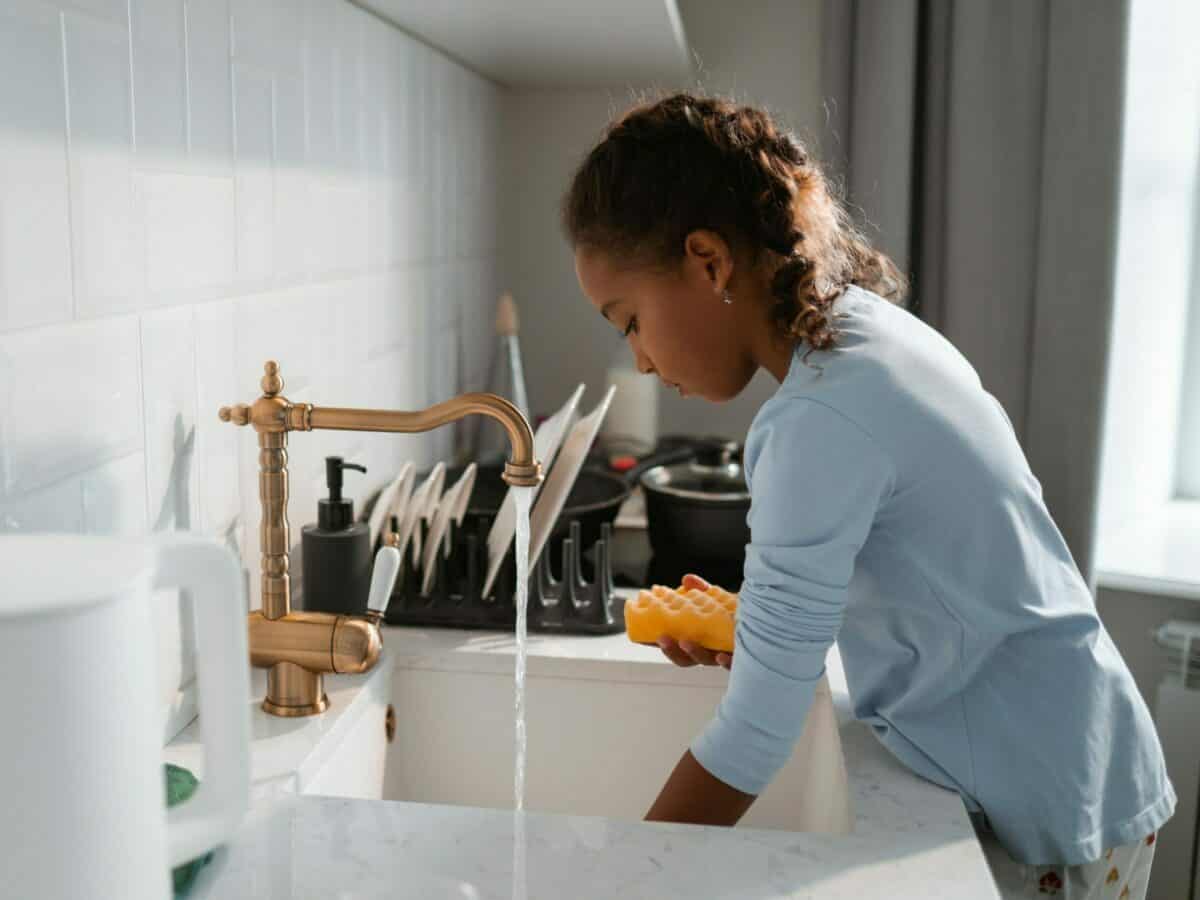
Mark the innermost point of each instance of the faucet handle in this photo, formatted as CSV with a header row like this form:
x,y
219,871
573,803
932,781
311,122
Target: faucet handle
x,y
383,579
238,414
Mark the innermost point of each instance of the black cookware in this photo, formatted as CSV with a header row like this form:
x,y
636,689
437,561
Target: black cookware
x,y
696,499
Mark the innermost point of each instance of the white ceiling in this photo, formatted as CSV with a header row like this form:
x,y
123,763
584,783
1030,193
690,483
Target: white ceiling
x,y
548,44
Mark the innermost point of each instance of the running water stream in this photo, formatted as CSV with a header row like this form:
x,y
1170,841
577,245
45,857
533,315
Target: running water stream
x,y
523,497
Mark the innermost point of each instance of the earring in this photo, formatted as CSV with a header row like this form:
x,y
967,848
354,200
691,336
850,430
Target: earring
x,y
725,296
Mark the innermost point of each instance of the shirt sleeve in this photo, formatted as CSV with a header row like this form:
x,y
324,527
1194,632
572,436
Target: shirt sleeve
x,y
816,481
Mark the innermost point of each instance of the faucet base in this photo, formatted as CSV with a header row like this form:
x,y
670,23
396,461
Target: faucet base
x,y
296,711
293,690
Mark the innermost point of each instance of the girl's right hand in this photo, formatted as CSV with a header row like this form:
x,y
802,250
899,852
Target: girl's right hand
x,y
686,653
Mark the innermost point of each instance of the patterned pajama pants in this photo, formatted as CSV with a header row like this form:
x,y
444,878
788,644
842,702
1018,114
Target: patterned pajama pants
x,y
1123,873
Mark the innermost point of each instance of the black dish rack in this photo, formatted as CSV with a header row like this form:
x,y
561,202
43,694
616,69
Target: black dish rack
x,y
568,604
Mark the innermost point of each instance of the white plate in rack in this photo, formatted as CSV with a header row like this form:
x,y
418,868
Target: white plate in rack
x,y
546,441
451,509
395,493
562,477
422,506
408,481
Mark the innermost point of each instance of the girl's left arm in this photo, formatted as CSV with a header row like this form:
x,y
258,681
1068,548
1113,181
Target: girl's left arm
x,y
694,796
817,482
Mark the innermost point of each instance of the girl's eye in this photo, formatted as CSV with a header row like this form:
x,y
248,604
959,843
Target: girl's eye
x,y
630,327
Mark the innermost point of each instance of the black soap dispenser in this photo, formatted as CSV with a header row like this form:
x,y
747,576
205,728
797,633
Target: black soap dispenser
x,y
336,551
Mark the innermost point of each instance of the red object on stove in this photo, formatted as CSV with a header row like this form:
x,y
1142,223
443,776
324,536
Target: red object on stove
x,y
622,463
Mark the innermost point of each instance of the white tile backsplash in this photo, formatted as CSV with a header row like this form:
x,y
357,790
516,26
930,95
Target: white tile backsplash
x,y
254,185
290,326
169,411
188,189
349,85
396,381
159,81
190,234
58,508
113,10
320,85
104,222
256,30
444,376
35,246
70,399
391,311
217,443
114,497
210,91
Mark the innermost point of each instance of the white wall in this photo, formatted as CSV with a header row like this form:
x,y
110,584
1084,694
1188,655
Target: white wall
x,y
766,52
190,188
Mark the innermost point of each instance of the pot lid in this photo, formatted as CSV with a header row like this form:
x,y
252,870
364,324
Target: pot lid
x,y
691,480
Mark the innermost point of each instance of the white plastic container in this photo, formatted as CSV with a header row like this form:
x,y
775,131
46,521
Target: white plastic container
x,y
634,410
81,760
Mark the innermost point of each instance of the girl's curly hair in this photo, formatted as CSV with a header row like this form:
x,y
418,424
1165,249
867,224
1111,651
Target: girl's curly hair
x,y
664,169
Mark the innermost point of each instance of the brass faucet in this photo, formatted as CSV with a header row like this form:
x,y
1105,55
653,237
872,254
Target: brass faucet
x,y
299,647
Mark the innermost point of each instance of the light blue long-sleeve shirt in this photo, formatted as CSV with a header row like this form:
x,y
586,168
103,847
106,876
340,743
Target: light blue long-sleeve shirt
x,y
894,511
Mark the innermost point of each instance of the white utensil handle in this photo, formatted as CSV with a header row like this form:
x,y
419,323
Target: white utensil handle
x,y
212,576
514,358
383,578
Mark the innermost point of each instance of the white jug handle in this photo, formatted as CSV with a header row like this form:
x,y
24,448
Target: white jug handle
x,y
213,577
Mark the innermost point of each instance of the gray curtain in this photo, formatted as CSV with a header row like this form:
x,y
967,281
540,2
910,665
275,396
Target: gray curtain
x,y
979,142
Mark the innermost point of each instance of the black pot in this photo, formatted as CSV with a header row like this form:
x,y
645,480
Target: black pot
x,y
697,509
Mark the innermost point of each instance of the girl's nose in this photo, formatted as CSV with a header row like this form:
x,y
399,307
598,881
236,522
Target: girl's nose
x,y
642,362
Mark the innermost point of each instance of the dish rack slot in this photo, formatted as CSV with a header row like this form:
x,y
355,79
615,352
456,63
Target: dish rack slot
x,y
569,604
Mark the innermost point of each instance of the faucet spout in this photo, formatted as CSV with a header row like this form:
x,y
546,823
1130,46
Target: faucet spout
x,y
522,469
297,647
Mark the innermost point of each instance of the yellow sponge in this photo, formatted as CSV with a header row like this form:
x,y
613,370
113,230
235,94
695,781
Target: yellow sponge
x,y
704,617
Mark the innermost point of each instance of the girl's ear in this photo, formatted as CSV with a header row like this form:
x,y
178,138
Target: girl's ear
x,y
710,249
702,244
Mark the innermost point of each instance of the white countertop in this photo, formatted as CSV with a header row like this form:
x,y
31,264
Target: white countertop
x,y
911,838
286,753
325,847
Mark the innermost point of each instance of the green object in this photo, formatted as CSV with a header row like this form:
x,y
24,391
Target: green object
x,y
181,784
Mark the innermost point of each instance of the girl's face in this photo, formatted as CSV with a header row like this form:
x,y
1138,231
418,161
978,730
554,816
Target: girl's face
x,y
676,323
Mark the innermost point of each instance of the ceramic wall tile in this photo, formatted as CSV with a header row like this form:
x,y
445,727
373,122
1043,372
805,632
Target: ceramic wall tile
x,y
58,507
35,248
105,231
169,411
210,94
254,182
218,384
190,236
70,400
160,82
114,497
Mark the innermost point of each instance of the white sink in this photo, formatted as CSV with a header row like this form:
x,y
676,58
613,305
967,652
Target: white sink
x,y
607,722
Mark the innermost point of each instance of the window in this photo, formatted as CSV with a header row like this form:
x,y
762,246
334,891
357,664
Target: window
x,y
1187,460
1148,531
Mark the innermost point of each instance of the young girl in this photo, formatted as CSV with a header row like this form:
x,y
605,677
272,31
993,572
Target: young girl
x,y
893,509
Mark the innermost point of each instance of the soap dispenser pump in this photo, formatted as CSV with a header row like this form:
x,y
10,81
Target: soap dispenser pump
x,y
336,550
